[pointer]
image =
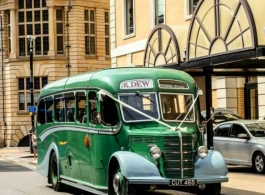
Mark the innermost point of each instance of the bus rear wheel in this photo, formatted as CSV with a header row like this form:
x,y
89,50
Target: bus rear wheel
x,y
54,177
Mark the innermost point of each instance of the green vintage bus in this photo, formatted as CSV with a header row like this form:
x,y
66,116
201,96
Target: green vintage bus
x,y
124,130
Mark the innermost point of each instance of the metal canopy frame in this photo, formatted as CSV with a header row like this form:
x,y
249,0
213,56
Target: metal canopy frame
x,y
247,61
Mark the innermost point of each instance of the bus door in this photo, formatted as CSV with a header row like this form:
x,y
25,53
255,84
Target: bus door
x,y
72,156
104,140
83,136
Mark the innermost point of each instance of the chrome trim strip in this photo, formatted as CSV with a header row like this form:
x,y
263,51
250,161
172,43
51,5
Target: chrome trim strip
x,y
67,179
181,153
83,187
77,128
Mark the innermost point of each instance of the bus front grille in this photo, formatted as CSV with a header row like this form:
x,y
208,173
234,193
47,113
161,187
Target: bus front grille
x,y
172,157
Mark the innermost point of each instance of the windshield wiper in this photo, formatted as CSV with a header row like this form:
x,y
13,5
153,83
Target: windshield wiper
x,y
139,94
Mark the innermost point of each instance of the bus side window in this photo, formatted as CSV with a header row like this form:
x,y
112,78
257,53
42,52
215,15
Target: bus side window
x,y
49,109
92,104
45,109
41,112
70,106
109,112
59,108
80,106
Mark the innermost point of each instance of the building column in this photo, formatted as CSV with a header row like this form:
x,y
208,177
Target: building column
x,y
261,96
51,51
227,92
112,32
13,35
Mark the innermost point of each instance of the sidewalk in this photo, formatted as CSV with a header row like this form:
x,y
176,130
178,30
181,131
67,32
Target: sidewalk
x,y
18,155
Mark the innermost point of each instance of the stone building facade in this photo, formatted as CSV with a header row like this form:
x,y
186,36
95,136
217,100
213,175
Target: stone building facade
x,y
71,37
134,25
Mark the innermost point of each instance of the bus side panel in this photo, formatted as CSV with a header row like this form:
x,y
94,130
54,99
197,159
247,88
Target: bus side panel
x,y
52,140
109,145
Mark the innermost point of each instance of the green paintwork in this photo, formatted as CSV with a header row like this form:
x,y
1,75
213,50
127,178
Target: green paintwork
x,y
90,165
110,79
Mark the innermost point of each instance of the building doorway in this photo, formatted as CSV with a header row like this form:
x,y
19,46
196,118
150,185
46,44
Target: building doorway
x,y
251,99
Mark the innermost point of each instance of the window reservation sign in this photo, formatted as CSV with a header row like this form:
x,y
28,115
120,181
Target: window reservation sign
x,y
137,84
172,84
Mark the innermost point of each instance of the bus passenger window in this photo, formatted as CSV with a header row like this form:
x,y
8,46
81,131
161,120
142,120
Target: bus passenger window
x,y
49,109
92,105
45,110
59,108
41,112
81,105
70,107
109,112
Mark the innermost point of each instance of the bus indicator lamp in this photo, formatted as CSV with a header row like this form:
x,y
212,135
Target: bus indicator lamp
x,y
86,141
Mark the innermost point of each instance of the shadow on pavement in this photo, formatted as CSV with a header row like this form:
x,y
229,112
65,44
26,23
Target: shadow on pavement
x,y
12,167
232,191
241,169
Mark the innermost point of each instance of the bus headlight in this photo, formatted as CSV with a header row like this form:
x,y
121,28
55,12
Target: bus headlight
x,y
202,152
155,152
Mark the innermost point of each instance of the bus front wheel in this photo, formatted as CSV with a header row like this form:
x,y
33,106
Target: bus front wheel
x,y
54,177
118,184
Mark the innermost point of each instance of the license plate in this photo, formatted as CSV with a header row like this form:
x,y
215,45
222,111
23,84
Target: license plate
x,y
183,182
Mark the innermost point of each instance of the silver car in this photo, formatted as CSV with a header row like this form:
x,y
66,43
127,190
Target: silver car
x,y
242,142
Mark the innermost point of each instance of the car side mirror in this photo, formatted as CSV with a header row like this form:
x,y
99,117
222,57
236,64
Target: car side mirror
x,y
243,136
96,118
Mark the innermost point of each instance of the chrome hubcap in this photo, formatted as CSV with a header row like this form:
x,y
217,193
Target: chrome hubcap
x,y
116,183
259,163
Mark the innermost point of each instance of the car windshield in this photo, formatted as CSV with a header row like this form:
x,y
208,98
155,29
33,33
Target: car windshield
x,y
256,129
174,107
144,102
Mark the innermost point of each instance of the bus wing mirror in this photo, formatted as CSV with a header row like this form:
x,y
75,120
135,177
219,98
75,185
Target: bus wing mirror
x,y
96,118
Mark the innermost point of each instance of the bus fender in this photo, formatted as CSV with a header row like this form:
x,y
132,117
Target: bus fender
x,y
213,164
43,167
133,165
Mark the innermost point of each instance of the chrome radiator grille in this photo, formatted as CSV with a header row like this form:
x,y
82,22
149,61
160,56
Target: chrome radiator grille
x,y
172,157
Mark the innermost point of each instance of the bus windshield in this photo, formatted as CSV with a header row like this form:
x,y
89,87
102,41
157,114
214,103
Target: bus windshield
x,y
144,102
176,106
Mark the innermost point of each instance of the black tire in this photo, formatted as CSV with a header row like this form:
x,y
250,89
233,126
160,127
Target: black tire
x,y
210,189
54,177
258,162
124,188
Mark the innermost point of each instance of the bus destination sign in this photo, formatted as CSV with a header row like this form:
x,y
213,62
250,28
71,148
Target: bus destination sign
x,y
137,84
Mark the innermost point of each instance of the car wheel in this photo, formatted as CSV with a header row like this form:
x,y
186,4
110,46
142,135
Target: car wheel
x,y
54,177
258,162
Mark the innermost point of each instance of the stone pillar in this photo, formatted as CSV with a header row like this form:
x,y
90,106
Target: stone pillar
x,y
261,94
226,92
51,32
13,30
112,32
